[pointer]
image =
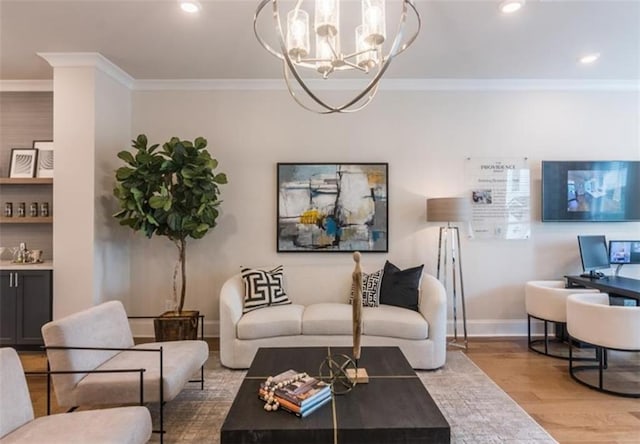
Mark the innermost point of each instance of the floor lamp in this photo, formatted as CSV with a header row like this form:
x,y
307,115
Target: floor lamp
x,y
451,209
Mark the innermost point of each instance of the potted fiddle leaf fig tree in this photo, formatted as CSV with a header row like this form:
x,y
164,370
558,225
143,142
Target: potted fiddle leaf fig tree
x,y
170,191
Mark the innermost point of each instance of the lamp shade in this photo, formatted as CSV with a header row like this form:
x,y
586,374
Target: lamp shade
x,y
448,209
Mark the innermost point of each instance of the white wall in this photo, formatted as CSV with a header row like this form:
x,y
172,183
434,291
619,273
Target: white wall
x,y
425,136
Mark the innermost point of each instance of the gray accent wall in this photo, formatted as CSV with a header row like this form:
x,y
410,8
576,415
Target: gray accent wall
x,y
25,117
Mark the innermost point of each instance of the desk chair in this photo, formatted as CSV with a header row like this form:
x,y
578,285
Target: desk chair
x,y
547,302
591,320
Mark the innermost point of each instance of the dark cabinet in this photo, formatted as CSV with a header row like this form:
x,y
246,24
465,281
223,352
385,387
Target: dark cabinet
x,y
25,306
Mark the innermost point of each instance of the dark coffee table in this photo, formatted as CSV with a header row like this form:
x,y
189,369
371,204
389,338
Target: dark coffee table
x,y
394,407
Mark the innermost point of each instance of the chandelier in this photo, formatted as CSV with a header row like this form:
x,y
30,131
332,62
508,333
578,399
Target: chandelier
x,y
332,52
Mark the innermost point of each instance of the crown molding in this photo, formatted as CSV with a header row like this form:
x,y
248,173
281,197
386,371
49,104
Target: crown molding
x,y
329,85
88,59
394,85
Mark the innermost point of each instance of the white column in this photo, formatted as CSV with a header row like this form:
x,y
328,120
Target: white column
x,y
91,123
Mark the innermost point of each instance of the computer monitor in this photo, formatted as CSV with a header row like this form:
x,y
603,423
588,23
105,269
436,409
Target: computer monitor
x,y
593,254
622,252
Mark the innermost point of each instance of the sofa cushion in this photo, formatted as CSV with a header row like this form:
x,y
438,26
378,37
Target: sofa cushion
x,y
329,318
285,320
263,288
182,359
401,287
123,425
395,322
370,289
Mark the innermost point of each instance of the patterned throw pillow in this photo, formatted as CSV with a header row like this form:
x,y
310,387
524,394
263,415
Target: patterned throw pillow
x,y
263,288
370,289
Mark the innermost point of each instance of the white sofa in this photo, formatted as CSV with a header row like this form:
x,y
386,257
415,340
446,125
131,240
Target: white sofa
x,y
320,315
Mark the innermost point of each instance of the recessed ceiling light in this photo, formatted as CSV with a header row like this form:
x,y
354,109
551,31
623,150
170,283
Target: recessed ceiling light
x,y
191,6
589,58
509,6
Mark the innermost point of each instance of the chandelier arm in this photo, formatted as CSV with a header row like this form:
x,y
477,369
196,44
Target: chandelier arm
x,y
354,66
403,20
330,109
264,44
293,94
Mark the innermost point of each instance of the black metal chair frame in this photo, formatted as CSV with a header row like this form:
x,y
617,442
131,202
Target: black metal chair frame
x,y
601,354
533,342
161,430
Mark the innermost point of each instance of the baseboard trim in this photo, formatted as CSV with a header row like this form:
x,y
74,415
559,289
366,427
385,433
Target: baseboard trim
x,y
497,328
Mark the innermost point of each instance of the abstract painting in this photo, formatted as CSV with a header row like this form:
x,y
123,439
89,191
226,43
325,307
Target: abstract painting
x,y
45,158
23,162
333,207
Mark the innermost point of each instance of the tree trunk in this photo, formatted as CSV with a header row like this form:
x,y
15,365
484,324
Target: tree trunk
x,y
182,249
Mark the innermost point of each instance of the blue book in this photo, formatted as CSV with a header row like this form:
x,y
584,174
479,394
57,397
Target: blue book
x,y
308,409
314,407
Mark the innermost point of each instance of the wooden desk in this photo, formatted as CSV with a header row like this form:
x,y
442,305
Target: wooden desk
x,y
616,286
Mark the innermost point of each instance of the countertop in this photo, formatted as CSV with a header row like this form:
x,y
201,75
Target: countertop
x,y
8,265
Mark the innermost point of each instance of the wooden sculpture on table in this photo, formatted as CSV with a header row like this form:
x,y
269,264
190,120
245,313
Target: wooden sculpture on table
x,y
357,375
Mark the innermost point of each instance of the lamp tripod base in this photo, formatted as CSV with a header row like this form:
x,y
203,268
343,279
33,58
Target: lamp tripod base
x,y
454,343
358,375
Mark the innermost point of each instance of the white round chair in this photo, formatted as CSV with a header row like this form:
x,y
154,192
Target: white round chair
x,y
547,302
591,320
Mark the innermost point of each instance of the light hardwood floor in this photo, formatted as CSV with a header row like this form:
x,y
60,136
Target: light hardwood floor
x,y
541,385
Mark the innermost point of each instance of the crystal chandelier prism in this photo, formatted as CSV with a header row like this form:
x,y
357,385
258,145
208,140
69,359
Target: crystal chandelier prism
x,y
326,49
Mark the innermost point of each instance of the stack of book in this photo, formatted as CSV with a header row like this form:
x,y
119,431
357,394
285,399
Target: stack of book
x,y
296,393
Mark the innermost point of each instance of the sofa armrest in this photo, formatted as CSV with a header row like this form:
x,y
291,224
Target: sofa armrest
x,y
433,306
231,300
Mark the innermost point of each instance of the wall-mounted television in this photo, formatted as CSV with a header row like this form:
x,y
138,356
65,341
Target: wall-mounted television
x,y
590,191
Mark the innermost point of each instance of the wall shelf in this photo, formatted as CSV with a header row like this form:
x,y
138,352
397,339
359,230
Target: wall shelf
x,y
26,220
26,181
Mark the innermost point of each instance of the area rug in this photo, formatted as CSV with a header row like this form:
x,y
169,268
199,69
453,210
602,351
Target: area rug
x,y
475,407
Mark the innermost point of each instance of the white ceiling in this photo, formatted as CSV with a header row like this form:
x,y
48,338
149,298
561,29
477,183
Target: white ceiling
x,y
154,39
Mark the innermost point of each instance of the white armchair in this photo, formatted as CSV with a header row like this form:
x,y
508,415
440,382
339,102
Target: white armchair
x,y
591,320
122,425
97,344
547,301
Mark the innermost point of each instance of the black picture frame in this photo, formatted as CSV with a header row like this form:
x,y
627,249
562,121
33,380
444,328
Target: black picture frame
x,y
338,207
45,158
23,163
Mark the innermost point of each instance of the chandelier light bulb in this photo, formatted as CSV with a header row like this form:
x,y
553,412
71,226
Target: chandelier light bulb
x,y
298,34
367,55
373,18
327,17
364,52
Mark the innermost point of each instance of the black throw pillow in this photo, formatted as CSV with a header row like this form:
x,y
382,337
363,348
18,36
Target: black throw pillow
x,y
401,287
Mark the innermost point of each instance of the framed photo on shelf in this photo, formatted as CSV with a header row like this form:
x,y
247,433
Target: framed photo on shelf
x,y
333,207
23,162
45,157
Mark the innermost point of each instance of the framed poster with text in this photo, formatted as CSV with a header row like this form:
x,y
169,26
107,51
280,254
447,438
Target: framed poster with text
x,y
500,193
